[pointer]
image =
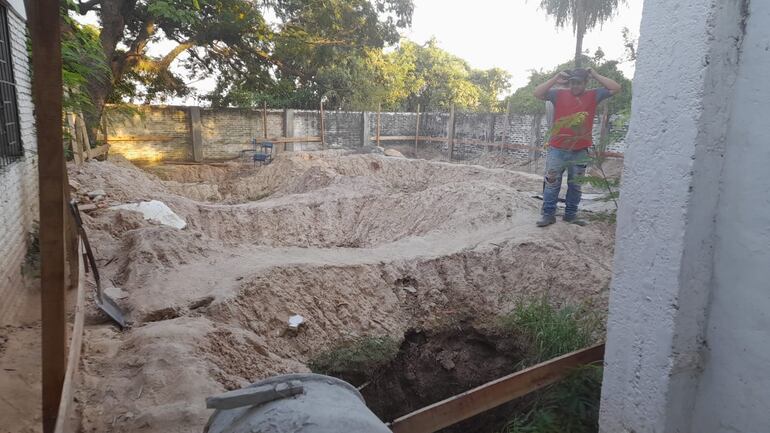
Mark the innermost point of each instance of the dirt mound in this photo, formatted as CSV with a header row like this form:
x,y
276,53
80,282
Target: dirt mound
x,y
357,244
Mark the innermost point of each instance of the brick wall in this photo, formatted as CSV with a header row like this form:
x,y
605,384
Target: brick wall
x,y
227,131
18,184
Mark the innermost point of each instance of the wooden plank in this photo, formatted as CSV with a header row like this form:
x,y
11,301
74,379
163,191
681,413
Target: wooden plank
x,y
495,393
158,138
75,347
47,91
100,150
323,139
80,124
197,133
77,149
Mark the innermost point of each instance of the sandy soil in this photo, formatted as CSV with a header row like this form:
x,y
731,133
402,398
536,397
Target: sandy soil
x,y
357,244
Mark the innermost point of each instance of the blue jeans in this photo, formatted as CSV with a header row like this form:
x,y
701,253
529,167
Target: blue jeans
x,y
556,162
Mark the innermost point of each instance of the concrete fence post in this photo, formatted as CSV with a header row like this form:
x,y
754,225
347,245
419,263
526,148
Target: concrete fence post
x,y
288,128
365,138
197,135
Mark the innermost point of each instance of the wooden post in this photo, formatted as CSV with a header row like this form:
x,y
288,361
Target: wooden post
x,y
451,132
323,138
77,149
46,67
80,124
264,119
417,130
379,110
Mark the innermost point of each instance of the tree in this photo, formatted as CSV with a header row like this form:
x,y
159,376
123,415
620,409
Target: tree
x,y
583,15
233,40
522,101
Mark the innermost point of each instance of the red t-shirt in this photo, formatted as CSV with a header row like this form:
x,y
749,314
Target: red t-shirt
x,y
566,104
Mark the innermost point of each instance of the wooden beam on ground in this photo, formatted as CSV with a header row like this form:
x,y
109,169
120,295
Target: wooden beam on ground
x,y
47,90
100,150
75,346
159,138
493,394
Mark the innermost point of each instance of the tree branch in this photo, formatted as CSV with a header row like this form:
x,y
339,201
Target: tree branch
x,y
89,5
166,61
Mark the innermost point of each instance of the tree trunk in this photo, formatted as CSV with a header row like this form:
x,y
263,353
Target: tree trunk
x,y
580,32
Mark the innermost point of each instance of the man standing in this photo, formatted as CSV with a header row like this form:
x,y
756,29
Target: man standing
x,y
574,111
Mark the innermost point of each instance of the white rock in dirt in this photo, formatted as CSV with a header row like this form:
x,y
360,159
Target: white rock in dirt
x,y
394,153
96,193
295,321
116,293
155,210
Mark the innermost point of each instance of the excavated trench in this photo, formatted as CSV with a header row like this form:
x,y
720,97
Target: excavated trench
x,y
433,365
425,253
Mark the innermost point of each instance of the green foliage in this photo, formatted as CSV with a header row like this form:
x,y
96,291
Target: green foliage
x,y
83,62
400,79
574,13
522,101
609,217
583,15
358,356
549,331
571,405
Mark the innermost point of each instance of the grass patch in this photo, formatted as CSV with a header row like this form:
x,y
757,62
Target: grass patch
x,y
609,217
359,356
31,265
571,405
549,331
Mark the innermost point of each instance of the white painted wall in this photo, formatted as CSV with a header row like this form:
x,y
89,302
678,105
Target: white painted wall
x,y
734,391
688,345
18,184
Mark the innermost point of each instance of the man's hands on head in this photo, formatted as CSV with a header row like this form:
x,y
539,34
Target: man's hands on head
x,y
562,77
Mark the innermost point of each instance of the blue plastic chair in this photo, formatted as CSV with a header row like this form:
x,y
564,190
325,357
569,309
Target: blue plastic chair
x,y
265,153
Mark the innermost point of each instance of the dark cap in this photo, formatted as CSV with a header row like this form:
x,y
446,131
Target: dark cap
x,y
578,75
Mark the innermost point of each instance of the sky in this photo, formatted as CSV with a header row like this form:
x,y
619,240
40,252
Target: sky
x,y
514,35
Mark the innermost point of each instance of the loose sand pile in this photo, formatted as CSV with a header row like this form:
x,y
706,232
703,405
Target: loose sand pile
x,y
357,244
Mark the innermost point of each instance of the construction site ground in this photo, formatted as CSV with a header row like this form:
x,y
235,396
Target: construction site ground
x,y
357,244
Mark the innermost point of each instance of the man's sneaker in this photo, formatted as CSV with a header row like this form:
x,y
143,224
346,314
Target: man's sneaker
x,y
546,220
575,220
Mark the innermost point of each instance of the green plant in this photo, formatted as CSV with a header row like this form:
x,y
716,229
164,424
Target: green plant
x,y
550,331
361,355
609,217
571,406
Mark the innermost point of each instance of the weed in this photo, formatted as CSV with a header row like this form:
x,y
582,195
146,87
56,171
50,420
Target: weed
x,y
609,217
358,356
31,265
549,331
572,405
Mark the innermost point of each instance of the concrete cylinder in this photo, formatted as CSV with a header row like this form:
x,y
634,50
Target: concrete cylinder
x,y
326,405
